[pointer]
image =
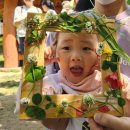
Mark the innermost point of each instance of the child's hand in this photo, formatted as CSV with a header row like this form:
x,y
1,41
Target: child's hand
x,y
103,121
49,55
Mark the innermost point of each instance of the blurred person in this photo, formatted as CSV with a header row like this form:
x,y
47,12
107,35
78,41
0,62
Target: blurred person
x,y
20,15
48,6
66,7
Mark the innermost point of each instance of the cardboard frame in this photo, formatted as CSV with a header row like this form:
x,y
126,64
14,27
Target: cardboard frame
x,y
34,105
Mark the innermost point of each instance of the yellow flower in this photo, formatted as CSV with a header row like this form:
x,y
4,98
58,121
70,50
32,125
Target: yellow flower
x,y
108,50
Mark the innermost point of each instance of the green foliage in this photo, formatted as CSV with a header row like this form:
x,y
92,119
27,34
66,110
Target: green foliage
x,y
121,101
35,112
108,64
50,105
106,33
40,114
115,58
105,65
30,111
48,98
70,23
35,73
128,1
37,99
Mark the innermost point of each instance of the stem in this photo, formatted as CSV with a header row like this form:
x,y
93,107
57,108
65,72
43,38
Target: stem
x,y
75,108
106,103
31,90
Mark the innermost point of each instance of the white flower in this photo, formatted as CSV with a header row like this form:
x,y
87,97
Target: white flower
x,y
89,26
25,101
32,58
88,100
64,103
100,48
50,18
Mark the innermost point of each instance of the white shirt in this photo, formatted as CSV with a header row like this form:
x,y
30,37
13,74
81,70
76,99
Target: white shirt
x,y
20,15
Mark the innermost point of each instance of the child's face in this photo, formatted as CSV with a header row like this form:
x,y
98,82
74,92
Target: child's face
x,y
77,55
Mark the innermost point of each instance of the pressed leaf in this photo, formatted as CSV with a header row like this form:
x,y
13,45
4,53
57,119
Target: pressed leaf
x,y
113,67
34,33
115,58
105,65
121,101
30,111
29,76
50,105
35,73
37,99
48,98
116,93
40,114
29,40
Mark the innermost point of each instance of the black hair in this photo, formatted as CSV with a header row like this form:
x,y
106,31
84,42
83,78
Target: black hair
x,y
83,5
48,3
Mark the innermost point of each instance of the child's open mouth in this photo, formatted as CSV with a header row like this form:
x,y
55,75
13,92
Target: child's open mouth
x,y
76,70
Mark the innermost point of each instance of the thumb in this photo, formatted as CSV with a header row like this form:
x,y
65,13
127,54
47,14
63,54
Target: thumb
x,y
110,121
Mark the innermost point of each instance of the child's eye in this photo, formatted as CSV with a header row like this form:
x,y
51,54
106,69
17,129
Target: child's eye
x,y
66,48
87,49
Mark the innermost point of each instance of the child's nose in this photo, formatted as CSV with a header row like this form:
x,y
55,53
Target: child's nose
x,y
75,56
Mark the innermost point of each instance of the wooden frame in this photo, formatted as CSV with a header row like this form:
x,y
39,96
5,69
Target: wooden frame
x,y
34,105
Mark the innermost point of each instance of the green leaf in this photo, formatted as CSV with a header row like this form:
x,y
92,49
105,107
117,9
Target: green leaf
x,y
29,40
29,76
40,114
115,58
64,16
121,101
37,99
34,33
48,98
116,93
113,67
50,105
30,111
105,65
35,73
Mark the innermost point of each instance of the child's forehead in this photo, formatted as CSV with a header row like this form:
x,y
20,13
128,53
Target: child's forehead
x,y
73,36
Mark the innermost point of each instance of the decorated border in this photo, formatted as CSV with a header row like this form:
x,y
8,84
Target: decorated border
x,y
34,105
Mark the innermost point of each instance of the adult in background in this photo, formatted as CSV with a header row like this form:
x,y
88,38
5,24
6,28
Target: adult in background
x,y
20,15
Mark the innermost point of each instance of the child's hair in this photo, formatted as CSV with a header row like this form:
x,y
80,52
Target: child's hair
x,y
49,4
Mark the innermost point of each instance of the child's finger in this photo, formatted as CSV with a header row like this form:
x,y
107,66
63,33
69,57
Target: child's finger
x,y
53,48
47,52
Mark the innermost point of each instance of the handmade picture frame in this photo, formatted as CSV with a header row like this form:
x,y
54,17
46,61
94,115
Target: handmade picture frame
x,y
34,105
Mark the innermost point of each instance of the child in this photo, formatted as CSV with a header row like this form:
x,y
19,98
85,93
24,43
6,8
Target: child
x,y
77,59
